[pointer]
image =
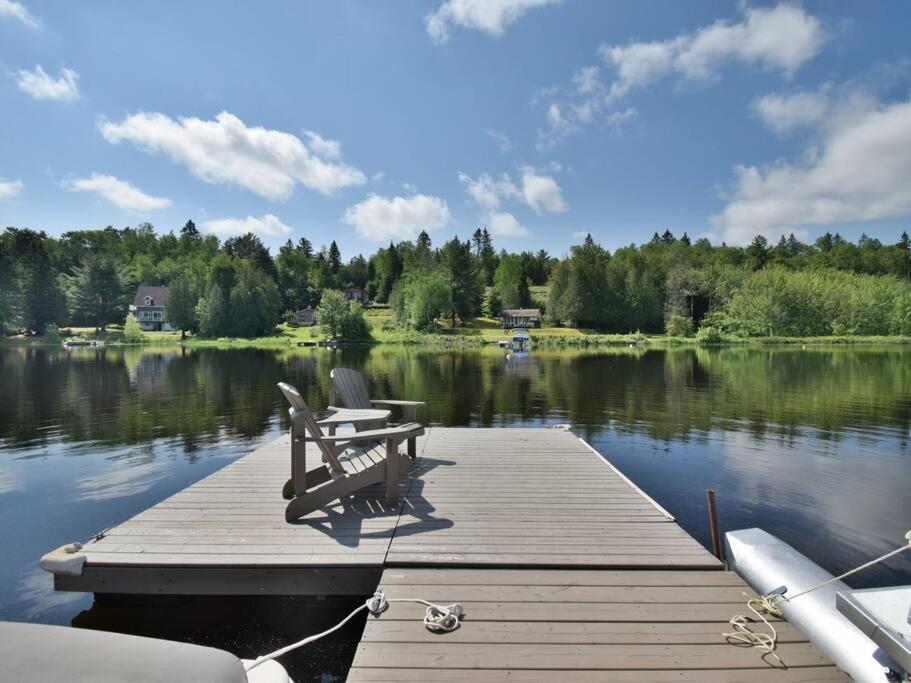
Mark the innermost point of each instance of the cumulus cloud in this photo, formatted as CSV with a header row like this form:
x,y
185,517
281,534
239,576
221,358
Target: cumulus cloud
x,y
826,108
541,192
490,16
786,112
487,191
119,192
857,171
264,226
329,149
505,224
538,191
781,38
10,188
225,150
41,86
16,10
380,218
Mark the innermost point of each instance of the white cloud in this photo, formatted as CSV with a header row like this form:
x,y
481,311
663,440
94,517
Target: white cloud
x,y
10,188
119,192
265,226
504,144
859,171
328,149
381,218
41,86
505,224
487,191
226,151
782,38
827,108
16,10
541,192
490,16
786,112
409,188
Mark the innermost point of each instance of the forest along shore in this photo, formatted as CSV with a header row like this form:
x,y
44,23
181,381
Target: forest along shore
x,y
669,290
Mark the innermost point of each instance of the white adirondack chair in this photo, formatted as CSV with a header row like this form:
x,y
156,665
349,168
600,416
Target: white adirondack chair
x,y
309,491
352,389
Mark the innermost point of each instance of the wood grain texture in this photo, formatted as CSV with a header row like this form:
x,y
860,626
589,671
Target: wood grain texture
x,y
590,625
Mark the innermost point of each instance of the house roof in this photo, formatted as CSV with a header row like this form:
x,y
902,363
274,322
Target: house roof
x,y
521,312
159,295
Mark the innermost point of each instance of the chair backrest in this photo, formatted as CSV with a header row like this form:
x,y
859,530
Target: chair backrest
x,y
302,416
351,387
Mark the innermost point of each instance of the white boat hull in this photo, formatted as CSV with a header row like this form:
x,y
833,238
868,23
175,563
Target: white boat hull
x,y
768,563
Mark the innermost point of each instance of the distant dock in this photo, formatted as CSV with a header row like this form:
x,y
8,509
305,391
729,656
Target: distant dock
x,y
561,562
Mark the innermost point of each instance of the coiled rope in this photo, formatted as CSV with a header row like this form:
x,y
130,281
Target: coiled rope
x,y
769,605
437,618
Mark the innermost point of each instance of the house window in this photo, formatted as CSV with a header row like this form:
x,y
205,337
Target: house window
x,y
149,301
156,315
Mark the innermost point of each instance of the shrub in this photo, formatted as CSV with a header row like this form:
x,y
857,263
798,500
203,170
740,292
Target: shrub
x,y
707,334
341,320
132,333
678,325
52,334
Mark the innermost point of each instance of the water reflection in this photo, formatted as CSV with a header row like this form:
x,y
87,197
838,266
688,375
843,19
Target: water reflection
x,y
811,444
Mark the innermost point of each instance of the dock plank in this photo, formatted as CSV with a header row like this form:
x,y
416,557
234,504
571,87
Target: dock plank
x,y
547,624
476,497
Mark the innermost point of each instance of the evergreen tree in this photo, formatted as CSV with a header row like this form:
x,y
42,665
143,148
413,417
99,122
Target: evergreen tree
x,y
334,259
424,240
511,282
305,247
758,252
685,239
489,259
391,273
189,231
96,291
467,292
38,301
667,237
180,306
249,247
477,242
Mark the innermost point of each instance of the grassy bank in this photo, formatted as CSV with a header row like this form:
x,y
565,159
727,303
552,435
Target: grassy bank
x,y
473,333
545,338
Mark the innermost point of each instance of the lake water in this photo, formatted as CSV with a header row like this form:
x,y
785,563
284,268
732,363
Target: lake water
x,y
810,444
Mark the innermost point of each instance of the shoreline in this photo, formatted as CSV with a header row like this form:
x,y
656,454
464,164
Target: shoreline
x,y
549,340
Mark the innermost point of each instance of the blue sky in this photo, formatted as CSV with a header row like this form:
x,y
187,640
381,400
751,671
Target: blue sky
x,y
366,121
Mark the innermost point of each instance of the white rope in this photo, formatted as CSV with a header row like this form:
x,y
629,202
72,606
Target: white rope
x,y
768,604
437,618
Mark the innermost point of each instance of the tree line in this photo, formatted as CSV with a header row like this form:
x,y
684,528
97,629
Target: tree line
x,y
238,288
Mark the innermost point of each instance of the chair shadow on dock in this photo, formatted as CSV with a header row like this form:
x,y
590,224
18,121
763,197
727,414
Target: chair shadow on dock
x,y
346,526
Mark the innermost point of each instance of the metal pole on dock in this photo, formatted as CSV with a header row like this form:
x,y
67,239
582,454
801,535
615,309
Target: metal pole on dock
x,y
713,523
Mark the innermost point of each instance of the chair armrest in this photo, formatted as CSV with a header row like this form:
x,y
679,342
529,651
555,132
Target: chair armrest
x,y
393,402
404,431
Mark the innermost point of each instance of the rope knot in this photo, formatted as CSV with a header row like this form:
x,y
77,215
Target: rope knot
x,y
440,619
377,604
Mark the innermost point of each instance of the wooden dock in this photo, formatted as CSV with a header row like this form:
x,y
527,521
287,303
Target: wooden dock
x,y
578,625
561,562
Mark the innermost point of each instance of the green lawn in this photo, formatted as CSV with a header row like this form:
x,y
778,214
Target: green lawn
x,y
473,332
